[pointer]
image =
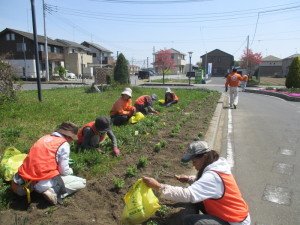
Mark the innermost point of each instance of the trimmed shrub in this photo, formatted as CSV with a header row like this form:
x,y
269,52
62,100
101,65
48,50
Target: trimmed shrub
x,y
293,76
121,72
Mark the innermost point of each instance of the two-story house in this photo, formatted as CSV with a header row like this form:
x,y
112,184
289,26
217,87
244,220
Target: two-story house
x,y
77,58
270,66
17,49
221,62
179,61
102,57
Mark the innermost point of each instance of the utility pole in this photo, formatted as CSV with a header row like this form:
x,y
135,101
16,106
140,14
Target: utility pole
x,y
37,67
147,62
248,70
46,44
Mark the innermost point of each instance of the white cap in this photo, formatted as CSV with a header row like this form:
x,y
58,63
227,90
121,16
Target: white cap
x,y
127,91
167,90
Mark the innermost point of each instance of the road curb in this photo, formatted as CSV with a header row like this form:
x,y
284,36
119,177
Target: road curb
x,y
216,122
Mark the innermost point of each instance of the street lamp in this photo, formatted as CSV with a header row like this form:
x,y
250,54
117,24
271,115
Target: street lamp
x,y
190,55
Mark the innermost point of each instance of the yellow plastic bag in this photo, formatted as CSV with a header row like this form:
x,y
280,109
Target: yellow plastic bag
x,y
10,162
140,204
138,116
161,101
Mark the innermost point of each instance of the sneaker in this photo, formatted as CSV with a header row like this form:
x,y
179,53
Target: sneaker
x,y
234,106
51,196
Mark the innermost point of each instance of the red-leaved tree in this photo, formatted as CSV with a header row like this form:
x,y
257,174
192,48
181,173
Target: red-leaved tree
x,y
164,62
249,60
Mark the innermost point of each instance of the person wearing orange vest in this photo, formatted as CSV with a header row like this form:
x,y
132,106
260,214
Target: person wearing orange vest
x,y
213,191
47,164
244,82
93,134
145,101
233,81
122,109
170,97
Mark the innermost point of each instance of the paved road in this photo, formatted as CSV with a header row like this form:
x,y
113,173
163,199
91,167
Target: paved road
x,y
261,139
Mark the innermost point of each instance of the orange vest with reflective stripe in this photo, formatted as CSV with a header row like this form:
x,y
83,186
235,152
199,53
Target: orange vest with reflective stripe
x,y
231,207
91,125
40,163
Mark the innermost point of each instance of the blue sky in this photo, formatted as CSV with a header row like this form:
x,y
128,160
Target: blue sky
x,y
138,27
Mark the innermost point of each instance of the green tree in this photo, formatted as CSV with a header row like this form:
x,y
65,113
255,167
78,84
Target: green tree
x,y
121,73
60,70
293,76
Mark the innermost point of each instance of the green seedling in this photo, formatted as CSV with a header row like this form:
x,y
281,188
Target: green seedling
x,y
162,212
166,164
163,143
157,147
131,171
119,182
143,161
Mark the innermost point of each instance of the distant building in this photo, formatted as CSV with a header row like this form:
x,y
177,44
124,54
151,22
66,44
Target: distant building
x,y
179,61
286,63
102,57
270,66
77,58
133,69
17,48
222,62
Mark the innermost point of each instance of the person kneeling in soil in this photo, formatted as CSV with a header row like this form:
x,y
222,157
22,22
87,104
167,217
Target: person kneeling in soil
x,y
213,191
46,166
122,109
145,101
94,133
170,97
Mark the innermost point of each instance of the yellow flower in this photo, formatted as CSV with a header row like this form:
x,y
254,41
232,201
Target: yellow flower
x,y
136,133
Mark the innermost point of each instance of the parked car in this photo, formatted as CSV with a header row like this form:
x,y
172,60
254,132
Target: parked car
x,y
191,74
70,75
143,75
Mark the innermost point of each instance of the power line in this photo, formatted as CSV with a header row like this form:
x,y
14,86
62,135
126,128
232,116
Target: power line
x,y
150,2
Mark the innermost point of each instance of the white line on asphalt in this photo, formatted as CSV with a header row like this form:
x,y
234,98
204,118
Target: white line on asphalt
x,y
230,157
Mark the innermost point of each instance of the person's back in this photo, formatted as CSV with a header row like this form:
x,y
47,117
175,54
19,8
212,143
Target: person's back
x,y
233,79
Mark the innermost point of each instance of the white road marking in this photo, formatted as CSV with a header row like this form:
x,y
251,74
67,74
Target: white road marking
x,y
230,156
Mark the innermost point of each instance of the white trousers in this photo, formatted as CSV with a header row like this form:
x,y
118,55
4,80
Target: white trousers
x,y
233,94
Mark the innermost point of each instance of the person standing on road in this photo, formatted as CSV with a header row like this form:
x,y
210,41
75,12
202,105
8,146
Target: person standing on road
x,y
93,134
233,80
213,191
145,101
244,82
170,97
122,109
46,167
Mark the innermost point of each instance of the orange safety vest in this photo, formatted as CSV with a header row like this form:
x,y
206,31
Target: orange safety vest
x,y
233,80
91,125
231,207
122,107
171,98
143,99
40,163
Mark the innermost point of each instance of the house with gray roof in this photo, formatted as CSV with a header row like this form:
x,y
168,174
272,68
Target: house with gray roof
x,y
102,57
78,58
270,66
286,63
17,48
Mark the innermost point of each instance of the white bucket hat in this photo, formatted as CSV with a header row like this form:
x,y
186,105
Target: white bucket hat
x,y
127,91
168,90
